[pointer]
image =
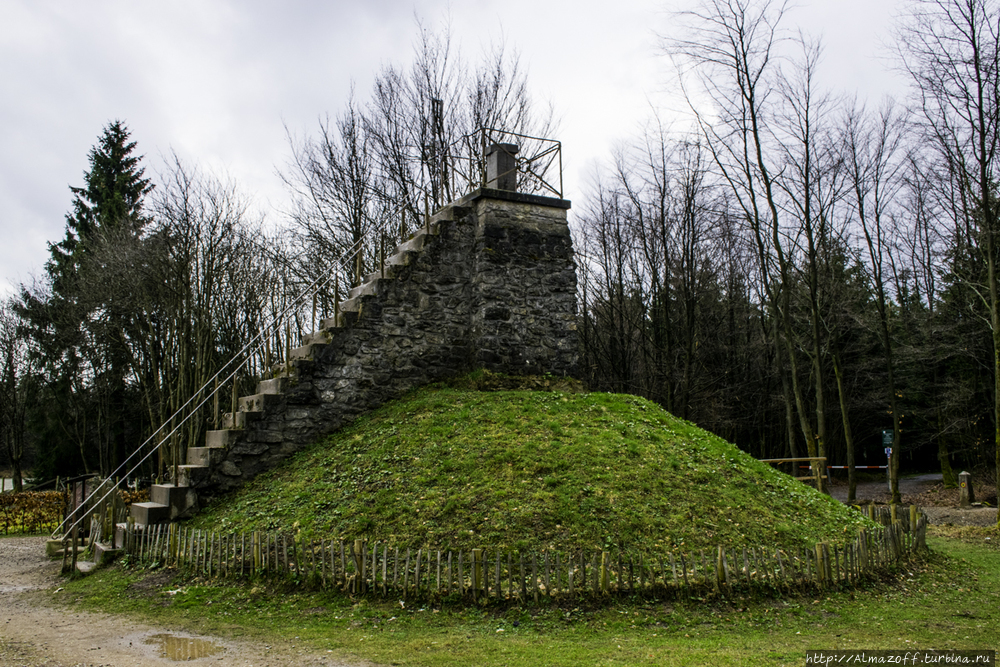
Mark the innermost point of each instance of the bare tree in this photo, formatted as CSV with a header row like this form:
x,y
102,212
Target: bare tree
x,y
733,49
15,386
416,143
951,49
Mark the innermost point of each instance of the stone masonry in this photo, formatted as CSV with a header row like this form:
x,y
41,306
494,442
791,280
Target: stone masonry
x,y
491,283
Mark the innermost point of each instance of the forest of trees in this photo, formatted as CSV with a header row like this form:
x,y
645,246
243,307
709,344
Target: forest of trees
x,y
796,271
801,272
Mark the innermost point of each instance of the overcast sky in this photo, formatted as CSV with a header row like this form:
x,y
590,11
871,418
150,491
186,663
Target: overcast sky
x,y
217,82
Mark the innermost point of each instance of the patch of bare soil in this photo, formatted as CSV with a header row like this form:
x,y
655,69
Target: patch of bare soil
x,y
36,632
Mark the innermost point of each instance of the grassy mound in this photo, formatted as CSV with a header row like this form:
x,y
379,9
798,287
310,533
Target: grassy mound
x,y
453,467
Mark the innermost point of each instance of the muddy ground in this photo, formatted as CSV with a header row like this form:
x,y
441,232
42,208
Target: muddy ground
x,y
35,631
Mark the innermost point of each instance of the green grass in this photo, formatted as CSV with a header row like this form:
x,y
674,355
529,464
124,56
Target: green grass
x,y
946,600
450,467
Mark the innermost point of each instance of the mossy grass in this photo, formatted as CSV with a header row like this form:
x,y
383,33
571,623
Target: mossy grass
x,y
944,600
482,463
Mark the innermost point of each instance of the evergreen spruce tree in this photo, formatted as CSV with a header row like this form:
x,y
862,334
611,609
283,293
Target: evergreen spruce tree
x,y
79,326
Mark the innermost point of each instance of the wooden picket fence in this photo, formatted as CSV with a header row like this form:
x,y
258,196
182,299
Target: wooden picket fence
x,y
361,567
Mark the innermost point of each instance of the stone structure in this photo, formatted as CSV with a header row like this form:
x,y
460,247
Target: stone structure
x,y
966,496
489,283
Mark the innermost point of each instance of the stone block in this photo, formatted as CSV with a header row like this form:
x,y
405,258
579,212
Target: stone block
x,y
147,514
966,495
105,554
259,402
192,475
222,439
240,420
273,386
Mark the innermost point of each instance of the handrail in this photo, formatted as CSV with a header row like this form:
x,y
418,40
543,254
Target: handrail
x,y
533,169
460,167
256,344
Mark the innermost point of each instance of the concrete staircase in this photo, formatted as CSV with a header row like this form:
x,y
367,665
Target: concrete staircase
x,y
441,305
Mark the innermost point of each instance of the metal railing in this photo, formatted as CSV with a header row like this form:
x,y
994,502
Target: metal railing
x,y
461,170
226,379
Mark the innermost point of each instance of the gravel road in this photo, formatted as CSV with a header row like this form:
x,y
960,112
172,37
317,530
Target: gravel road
x,y
36,631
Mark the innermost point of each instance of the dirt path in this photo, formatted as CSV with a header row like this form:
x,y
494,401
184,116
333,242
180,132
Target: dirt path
x,y
36,632
926,491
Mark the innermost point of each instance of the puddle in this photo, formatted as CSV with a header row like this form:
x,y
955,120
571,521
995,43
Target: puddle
x,y
177,648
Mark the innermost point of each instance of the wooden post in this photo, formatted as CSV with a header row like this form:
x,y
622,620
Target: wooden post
x,y
336,299
497,591
524,583
406,573
343,565
284,552
235,400
534,576
288,349
781,566
604,572
546,580
359,566
570,574
820,567
416,574
385,566
76,540
477,555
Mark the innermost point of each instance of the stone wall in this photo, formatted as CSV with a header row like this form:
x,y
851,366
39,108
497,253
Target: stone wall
x,y
492,285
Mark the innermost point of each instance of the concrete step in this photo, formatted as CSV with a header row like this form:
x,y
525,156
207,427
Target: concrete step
x,y
192,475
205,456
241,419
306,351
258,402
272,386
182,500
414,244
322,337
389,272
120,530
369,287
398,259
223,438
352,305
345,318
105,554
447,213
147,514
54,548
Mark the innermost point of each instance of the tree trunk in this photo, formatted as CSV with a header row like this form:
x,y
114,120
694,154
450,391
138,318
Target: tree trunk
x,y
852,481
